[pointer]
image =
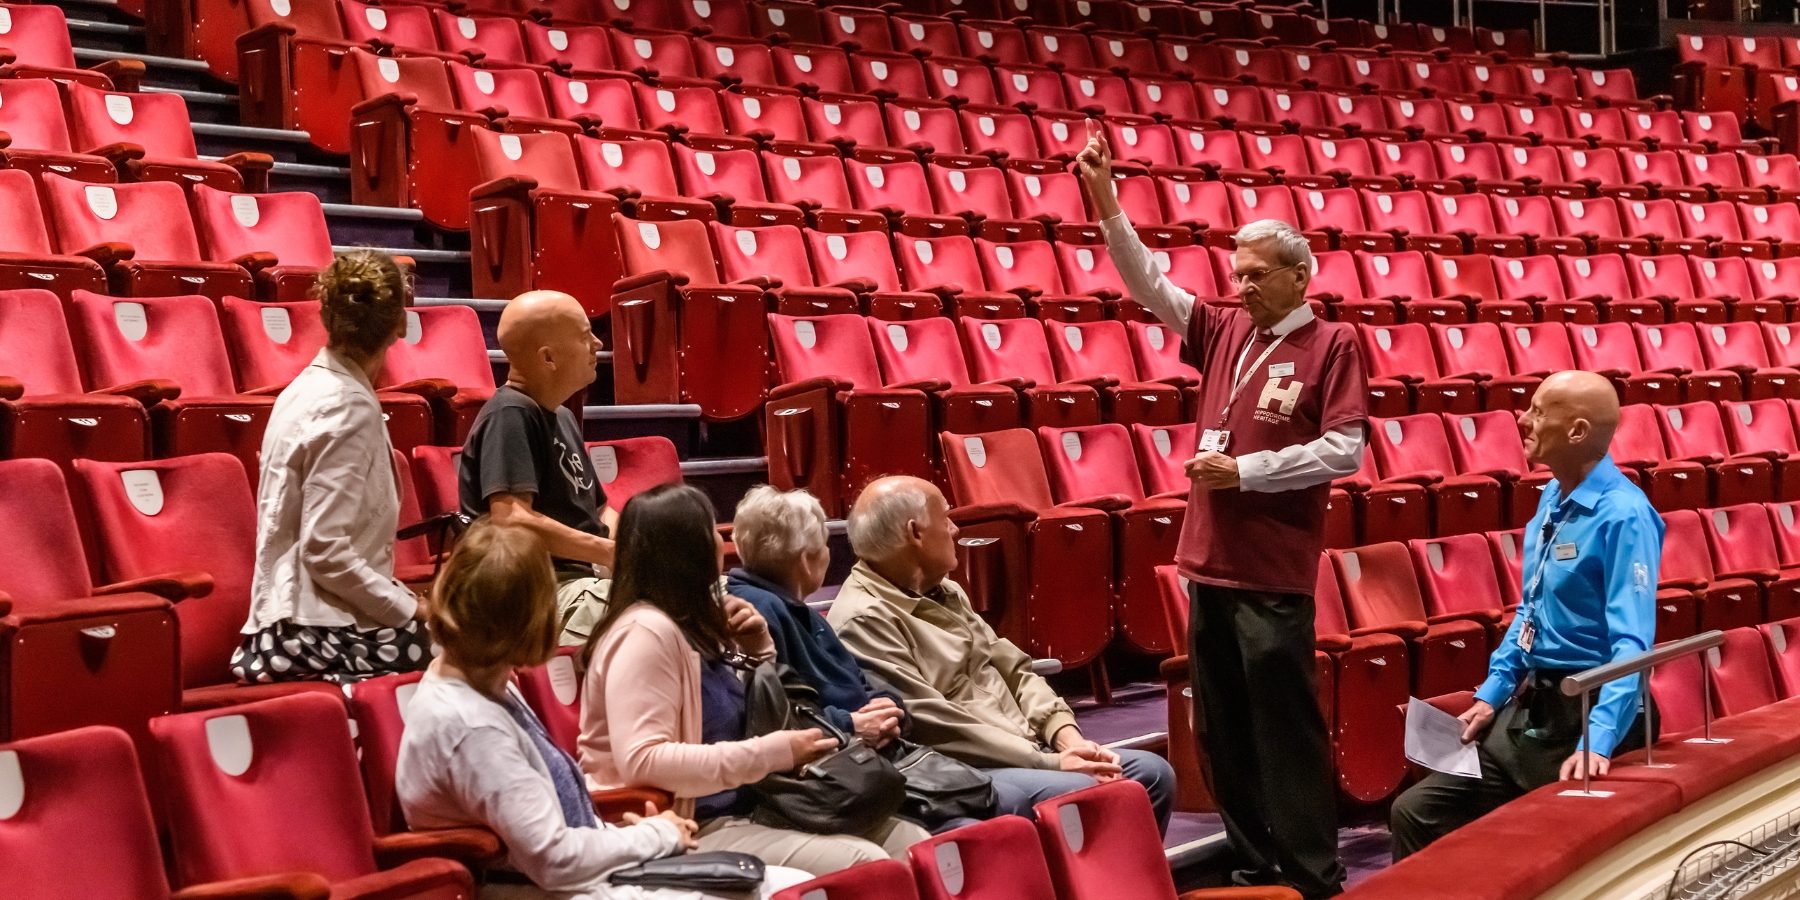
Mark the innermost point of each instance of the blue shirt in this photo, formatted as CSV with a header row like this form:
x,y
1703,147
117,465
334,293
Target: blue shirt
x,y
1596,605
724,716
806,642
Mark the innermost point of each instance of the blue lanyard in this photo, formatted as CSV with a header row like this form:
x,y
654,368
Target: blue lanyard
x,y
1552,528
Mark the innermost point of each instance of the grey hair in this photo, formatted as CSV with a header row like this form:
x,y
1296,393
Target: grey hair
x,y
1291,247
773,529
878,528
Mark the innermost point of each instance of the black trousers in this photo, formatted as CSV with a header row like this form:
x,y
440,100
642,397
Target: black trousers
x,y
1523,750
1250,658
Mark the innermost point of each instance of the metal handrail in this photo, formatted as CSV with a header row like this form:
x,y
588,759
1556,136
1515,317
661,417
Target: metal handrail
x,y
1586,682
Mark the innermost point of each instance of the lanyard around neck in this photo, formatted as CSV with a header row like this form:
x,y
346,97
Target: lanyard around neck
x,y
1240,376
1560,517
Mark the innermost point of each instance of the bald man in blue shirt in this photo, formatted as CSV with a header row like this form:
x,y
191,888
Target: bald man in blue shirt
x,y
1591,556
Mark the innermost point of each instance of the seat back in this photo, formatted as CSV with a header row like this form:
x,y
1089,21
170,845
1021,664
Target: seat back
x,y
1378,584
1605,347
1486,442
581,48
643,166
379,707
927,262
735,173
1102,842
440,342
1090,461
544,157
34,343
1088,269
1408,445
1670,346
1020,264
435,477
1784,521
1007,348
402,26
1474,348
1783,642
271,342
1157,350
1638,439
1036,193
315,19
1162,454
999,859
1759,425
1456,574
1693,430
1087,349
630,466
1679,689
423,77
778,251
290,225
918,349
31,109
835,347
1741,675
1529,276
38,528
997,467
496,38
141,338
1508,549
553,691
187,514
1740,539
883,879
1400,274
1390,350
155,121
151,216
1685,560
1538,349
228,767
78,822
809,179
23,229
1470,274
857,255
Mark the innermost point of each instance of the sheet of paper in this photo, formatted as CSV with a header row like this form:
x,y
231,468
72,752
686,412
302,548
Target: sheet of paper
x,y
1434,740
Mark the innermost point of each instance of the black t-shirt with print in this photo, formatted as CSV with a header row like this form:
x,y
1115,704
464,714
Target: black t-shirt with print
x,y
519,447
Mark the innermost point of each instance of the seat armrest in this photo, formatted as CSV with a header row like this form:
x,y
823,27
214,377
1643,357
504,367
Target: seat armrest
x,y
1260,892
1180,381
1481,616
927,385
473,847
646,279
432,525
1107,502
254,167
1173,668
1426,478
126,74
148,392
11,388
108,253
507,184
399,101
612,803
171,586
821,383
1171,495
1760,576
1407,630
1097,382
986,512
429,388
1332,643
286,886
1016,382
258,260
119,152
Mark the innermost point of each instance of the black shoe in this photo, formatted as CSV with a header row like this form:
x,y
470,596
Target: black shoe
x,y
1256,877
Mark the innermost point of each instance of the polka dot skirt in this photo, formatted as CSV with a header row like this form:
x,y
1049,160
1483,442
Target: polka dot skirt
x,y
286,651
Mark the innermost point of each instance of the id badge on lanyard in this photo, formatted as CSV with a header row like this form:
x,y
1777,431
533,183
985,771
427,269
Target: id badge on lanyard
x,y
1548,549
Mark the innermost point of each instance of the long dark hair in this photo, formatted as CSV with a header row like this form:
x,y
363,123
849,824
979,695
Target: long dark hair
x,y
666,557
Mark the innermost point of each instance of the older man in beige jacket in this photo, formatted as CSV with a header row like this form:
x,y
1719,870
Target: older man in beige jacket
x,y
970,693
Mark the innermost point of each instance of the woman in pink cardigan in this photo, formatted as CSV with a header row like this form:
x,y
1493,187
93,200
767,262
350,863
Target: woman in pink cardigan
x,y
663,705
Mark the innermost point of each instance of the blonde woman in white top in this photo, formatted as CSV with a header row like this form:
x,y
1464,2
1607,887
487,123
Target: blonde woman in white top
x,y
323,600
474,754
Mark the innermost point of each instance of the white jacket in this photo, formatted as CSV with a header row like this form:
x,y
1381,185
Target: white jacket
x,y
327,507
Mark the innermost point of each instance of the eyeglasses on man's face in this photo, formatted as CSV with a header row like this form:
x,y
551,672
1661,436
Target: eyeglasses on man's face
x,y
1255,276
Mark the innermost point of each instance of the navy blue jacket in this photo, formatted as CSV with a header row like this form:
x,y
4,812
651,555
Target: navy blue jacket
x,y
805,642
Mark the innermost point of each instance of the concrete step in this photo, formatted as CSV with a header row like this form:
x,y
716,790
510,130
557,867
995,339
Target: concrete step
x,y
217,139
159,71
204,106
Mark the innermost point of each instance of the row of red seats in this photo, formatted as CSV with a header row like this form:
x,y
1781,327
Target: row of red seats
x,y
128,378
1751,674
148,238
1751,75
34,42
100,135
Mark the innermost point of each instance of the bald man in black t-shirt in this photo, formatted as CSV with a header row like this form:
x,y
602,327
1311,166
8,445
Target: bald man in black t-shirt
x,y
524,462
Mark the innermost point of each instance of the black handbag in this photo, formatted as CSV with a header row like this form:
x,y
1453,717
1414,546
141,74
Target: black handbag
x,y
849,791
939,788
719,871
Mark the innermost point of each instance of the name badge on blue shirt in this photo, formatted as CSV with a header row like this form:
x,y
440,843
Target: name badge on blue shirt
x,y
1564,551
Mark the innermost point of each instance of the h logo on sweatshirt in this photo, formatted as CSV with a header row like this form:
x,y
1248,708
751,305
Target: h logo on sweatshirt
x,y
1280,399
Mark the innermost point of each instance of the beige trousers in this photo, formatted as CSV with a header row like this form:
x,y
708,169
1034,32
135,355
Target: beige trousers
x,y
818,854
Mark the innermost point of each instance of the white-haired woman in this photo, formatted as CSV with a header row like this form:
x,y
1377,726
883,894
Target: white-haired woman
x,y
781,538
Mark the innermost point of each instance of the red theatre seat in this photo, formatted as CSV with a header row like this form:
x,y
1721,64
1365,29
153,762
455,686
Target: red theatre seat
x,y
831,425
1743,546
1783,641
73,653
38,45
443,356
1027,560
415,148
280,238
1016,350
1449,651
1415,450
224,766
169,354
1099,354
149,137
141,234
925,353
1695,432
44,408
1093,466
884,879
31,113
1489,444
996,859
1741,677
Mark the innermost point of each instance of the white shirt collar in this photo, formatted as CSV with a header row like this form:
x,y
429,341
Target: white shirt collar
x,y
1290,323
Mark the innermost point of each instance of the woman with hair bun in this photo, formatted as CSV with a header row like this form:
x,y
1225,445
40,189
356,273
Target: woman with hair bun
x,y
324,604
